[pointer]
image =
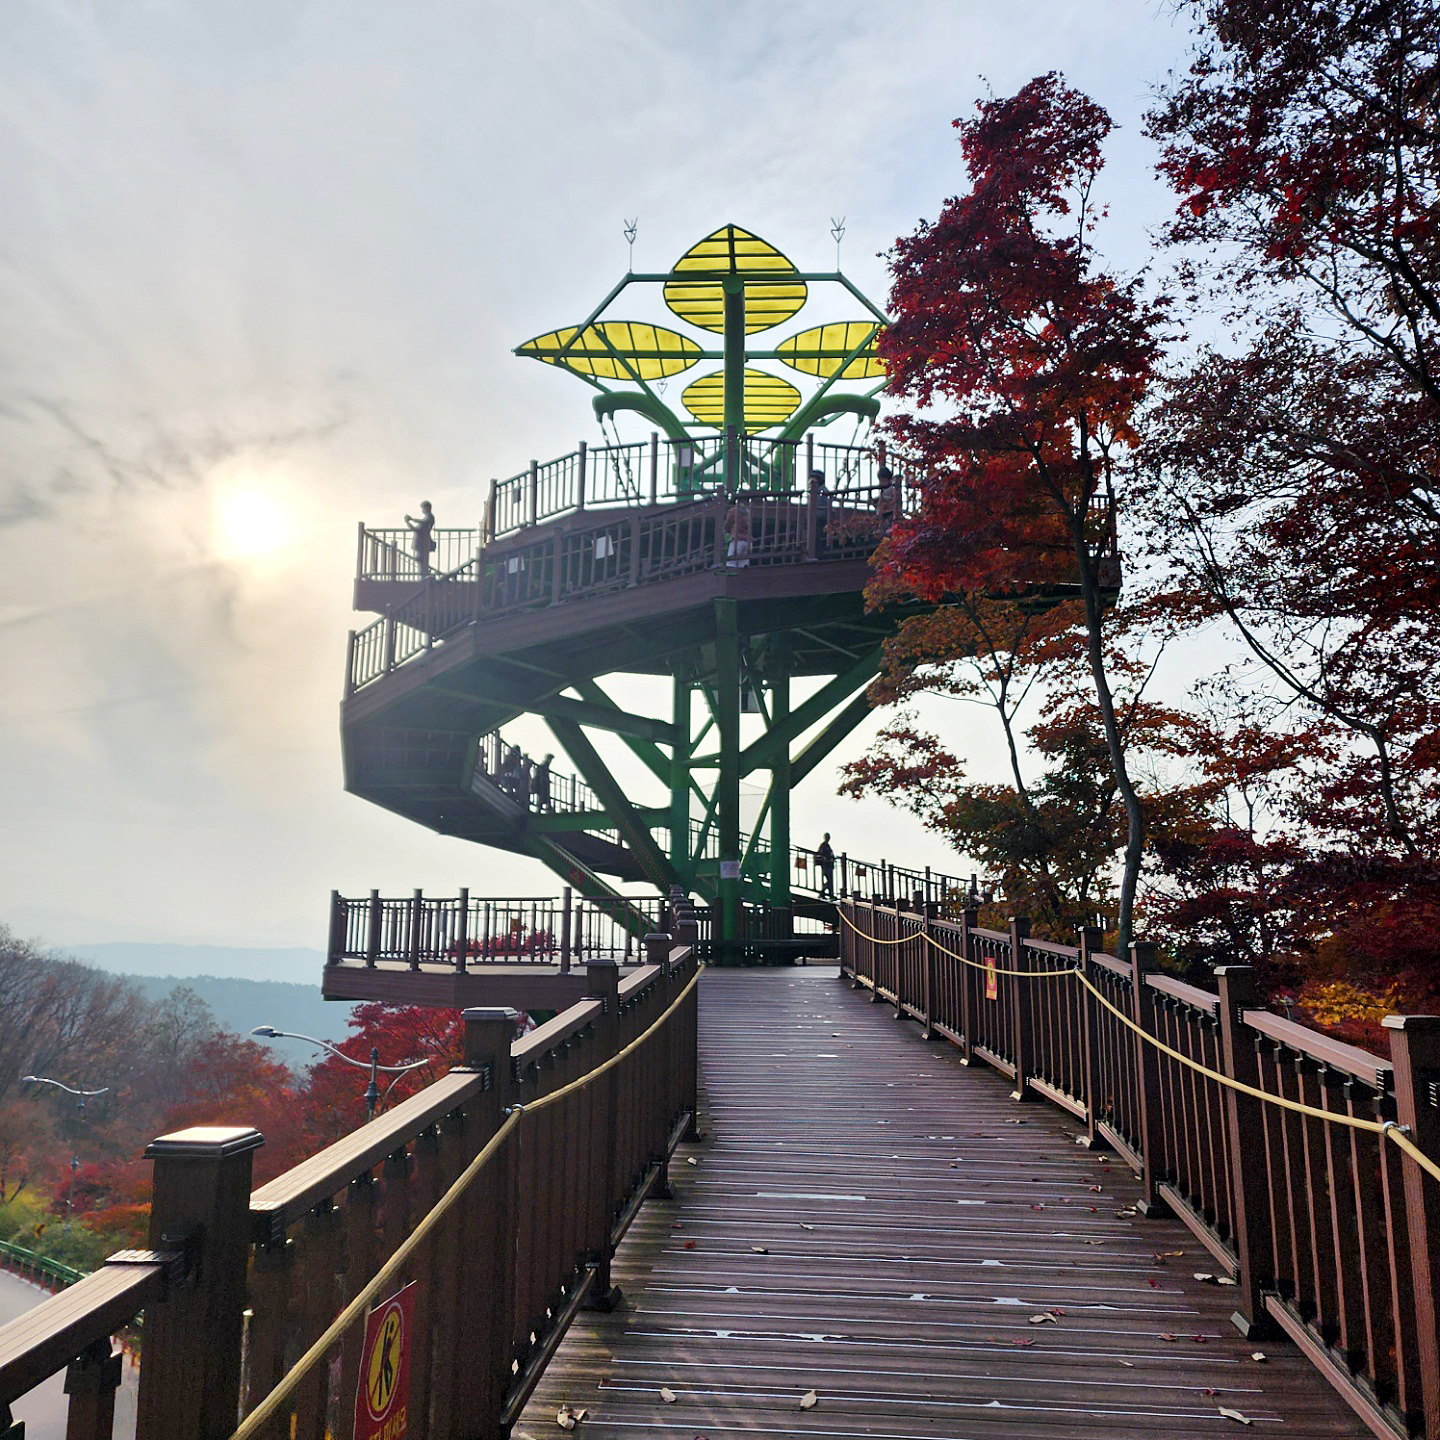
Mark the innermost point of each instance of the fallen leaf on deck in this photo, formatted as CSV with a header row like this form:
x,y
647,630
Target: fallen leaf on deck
x,y
1225,1280
689,1244
1205,1277
1128,1364
1098,1189
1167,1337
1258,1355
759,1250
1043,1319
668,1395
1163,1255
809,1400
1092,1242
1153,1283
1235,1415
804,1226
1198,1339
1209,1390
1026,1341
691,1160
565,1418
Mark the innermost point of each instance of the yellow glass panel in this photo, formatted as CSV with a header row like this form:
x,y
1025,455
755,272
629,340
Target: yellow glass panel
x,y
733,251
822,351
615,350
769,400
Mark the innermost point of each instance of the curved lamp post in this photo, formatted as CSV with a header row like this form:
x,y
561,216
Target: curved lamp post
x,y
372,1090
81,1096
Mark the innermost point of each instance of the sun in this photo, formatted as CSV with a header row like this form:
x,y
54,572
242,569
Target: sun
x,y
254,523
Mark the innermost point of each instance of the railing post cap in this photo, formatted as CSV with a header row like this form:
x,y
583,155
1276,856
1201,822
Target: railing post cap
x,y
603,962
205,1142
657,936
1232,970
1425,1024
490,1012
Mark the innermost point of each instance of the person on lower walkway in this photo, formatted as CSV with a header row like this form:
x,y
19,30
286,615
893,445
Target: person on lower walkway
x,y
825,864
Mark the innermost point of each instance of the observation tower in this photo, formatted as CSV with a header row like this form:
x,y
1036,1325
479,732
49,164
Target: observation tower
x,y
727,556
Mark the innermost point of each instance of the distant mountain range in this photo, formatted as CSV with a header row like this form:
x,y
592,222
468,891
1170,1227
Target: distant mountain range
x,y
241,1005
243,986
295,966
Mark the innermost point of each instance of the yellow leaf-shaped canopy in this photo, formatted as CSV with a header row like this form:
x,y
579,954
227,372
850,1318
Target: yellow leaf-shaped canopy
x,y
615,350
733,251
769,400
822,351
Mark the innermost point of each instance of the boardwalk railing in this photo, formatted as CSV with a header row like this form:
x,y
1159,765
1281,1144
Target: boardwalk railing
x,y
1306,1167
486,1208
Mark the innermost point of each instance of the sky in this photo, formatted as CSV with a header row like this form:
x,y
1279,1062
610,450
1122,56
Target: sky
x,y
287,248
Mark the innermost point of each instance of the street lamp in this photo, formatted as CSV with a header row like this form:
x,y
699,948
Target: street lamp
x,y
372,1090
81,1096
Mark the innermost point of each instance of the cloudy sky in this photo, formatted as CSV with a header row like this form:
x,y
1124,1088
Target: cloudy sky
x,y
287,248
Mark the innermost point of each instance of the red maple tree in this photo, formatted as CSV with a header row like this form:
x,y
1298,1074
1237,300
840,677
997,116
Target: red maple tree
x,y
1023,364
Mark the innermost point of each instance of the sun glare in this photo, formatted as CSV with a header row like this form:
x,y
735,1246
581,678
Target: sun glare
x,y
254,523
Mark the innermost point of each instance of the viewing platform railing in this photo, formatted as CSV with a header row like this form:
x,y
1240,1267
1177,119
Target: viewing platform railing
x,y
467,932
1304,1166
487,1207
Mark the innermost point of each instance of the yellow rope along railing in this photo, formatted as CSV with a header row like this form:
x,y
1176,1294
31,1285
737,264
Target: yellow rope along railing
x,y
1386,1129
272,1404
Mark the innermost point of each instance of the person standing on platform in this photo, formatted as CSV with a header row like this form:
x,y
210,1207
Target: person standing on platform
x,y
819,511
422,541
737,532
540,784
825,864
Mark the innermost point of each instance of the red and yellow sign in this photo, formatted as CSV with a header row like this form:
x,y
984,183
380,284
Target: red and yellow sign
x,y
382,1397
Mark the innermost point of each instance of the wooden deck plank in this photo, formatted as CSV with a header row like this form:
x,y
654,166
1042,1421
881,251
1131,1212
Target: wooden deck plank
x,y
867,1219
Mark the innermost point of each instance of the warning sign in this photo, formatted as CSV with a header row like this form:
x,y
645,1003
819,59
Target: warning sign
x,y
992,980
383,1394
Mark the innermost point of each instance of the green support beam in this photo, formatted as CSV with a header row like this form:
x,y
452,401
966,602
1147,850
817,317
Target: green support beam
x,y
781,778
763,753
626,819
727,781
680,778
833,733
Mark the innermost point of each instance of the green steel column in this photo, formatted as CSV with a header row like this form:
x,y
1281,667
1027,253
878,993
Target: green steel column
x,y
779,677
727,781
680,856
734,378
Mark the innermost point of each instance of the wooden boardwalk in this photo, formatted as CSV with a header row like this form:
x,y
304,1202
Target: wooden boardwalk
x,y
870,1219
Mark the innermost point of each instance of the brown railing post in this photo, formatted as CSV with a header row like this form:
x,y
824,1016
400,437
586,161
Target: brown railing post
x,y
654,466
1253,1240
534,491
969,919
1020,1006
1147,1084
339,915
603,984
566,907
91,1380
372,930
190,1382
416,910
481,1356
462,932
927,913
1415,1054
1092,939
